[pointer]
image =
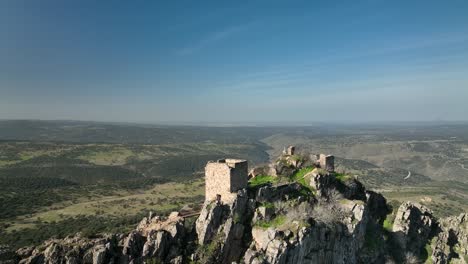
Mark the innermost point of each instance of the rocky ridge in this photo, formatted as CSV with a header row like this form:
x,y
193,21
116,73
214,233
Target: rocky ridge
x,y
323,218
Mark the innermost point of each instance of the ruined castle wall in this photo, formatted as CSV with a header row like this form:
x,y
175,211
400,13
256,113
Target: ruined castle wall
x,y
239,174
327,162
217,180
290,150
225,178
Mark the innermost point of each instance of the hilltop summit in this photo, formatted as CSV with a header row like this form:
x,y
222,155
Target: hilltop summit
x,y
303,213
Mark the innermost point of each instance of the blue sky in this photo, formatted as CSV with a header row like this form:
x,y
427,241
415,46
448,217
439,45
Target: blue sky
x,y
234,61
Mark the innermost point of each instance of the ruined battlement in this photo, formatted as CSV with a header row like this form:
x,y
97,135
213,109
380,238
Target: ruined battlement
x,y
289,150
223,178
326,162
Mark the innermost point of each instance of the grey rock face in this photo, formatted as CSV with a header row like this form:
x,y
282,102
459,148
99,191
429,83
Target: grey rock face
x,y
209,221
225,225
323,183
133,244
263,170
53,253
413,226
319,242
340,223
154,238
263,213
157,245
99,255
275,193
451,244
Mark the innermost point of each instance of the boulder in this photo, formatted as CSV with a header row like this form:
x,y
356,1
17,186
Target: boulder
x,y
209,221
99,254
53,253
263,213
133,245
157,245
261,170
413,226
276,193
451,244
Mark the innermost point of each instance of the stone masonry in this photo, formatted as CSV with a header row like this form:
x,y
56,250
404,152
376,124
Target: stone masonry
x,y
327,162
289,151
223,178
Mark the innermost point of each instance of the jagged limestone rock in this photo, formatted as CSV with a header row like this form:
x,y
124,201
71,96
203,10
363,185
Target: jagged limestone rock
x,y
133,245
157,245
227,224
263,213
271,224
36,258
99,254
261,170
451,244
275,193
53,253
413,226
377,205
209,221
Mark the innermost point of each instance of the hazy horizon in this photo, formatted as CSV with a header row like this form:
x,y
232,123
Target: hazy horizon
x,y
252,124
216,62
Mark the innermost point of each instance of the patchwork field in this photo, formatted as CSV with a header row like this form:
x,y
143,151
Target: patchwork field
x,y
51,188
160,198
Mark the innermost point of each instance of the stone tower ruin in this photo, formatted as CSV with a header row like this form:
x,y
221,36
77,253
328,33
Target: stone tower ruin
x,y
289,150
327,162
223,178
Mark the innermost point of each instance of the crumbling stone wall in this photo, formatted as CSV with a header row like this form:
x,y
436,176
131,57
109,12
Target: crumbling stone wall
x,y
290,150
327,162
225,177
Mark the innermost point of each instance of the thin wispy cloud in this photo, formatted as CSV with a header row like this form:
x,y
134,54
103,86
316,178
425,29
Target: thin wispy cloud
x,y
211,39
288,75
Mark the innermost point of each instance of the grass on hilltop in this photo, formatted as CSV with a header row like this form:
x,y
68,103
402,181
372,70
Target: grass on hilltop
x,y
275,222
262,179
301,178
342,177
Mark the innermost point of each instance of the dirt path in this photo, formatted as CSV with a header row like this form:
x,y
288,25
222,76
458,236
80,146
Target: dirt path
x,y
407,176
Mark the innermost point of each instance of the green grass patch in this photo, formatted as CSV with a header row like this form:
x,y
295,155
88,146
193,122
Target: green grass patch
x,y
389,219
111,156
388,225
428,249
299,175
275,222
426,253
342,177
262,179
300,178
297,158
267,205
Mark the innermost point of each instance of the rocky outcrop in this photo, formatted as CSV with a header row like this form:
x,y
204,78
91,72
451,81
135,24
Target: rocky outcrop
x,y
325,183
224,227
414,225
72,250
312,241
331,220
451,244
154,238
